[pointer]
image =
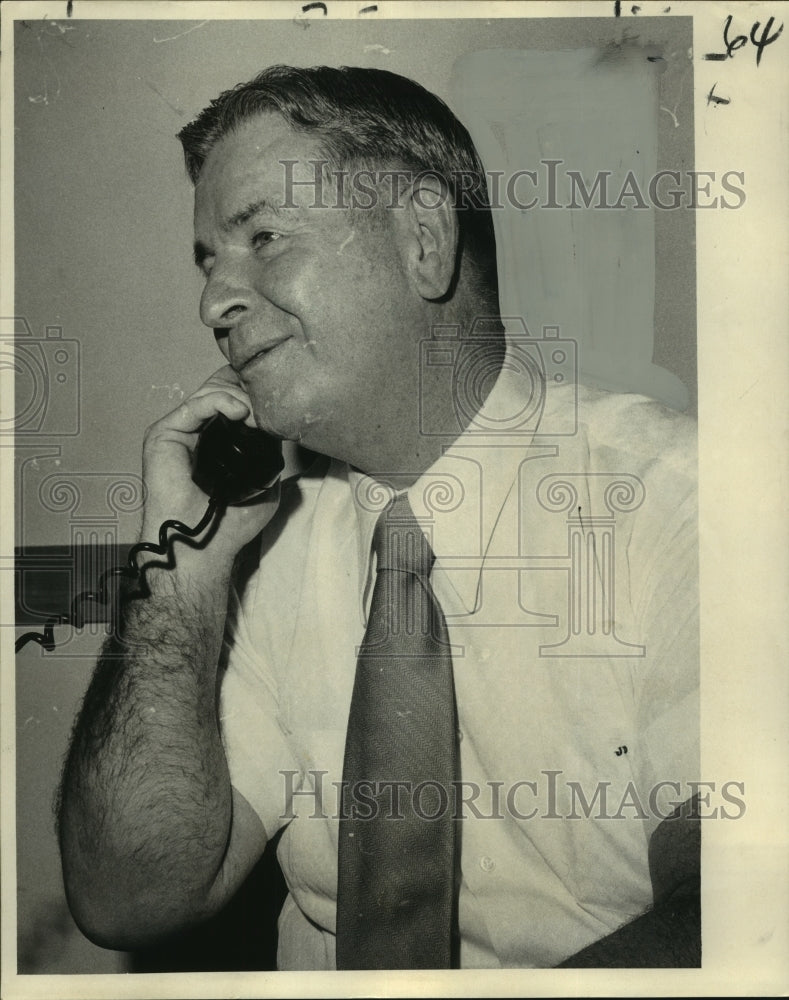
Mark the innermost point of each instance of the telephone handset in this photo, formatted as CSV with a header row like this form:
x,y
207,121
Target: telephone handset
x,y
233,464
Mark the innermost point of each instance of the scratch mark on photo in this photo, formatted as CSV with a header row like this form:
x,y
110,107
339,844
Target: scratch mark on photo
x,y
171,38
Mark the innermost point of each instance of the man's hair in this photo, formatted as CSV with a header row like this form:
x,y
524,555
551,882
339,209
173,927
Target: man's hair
x,y
366,119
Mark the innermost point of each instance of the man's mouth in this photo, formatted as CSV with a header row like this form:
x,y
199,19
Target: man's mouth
x,y
248,360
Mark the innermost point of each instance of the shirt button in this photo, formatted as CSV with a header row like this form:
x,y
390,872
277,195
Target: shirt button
x,y
487,864
460,735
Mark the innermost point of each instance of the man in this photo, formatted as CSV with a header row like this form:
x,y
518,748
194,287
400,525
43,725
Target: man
x,y
524,799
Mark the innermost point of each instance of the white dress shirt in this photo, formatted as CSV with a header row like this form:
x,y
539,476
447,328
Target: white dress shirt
x,y
566,569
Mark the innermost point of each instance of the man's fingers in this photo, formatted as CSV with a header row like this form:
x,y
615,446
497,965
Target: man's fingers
x,y
227,380
228,374
193,413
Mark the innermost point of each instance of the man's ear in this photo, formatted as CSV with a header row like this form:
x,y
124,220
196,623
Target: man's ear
x,y
432,232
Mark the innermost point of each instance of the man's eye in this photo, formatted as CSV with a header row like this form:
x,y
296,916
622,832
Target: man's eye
x,y
263,238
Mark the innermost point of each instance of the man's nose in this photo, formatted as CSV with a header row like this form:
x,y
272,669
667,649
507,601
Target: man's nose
x,y
226,297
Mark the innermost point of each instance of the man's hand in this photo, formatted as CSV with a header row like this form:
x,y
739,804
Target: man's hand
x,y
167,463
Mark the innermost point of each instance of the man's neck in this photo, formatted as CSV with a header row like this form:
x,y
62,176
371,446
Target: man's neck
x,y
420,431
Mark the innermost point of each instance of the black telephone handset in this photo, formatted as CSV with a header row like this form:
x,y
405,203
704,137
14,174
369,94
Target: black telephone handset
x,y
235,464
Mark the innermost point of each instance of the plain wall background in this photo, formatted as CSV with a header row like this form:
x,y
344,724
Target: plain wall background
x,y
103,250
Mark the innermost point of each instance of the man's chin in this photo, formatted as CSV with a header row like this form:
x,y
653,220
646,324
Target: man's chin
x,y
298,429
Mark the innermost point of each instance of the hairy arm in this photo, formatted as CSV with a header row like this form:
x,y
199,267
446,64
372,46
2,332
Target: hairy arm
x,y
152,836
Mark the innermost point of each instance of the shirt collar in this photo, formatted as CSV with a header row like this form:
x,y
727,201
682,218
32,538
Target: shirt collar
x,y
459,498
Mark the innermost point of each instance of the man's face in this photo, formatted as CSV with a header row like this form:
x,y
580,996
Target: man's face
x,y
312,308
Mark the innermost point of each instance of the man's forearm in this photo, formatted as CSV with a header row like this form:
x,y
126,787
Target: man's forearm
x,y
146,802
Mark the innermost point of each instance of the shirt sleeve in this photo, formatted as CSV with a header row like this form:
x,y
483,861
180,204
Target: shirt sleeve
x,y
255,745
664,562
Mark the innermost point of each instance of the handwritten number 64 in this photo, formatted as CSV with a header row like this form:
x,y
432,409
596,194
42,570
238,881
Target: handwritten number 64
x,y
760,43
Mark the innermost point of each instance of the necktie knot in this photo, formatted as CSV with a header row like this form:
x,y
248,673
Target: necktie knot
x,y
399,543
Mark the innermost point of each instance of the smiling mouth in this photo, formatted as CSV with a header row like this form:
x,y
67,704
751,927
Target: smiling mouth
x,y
261,353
